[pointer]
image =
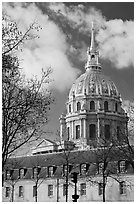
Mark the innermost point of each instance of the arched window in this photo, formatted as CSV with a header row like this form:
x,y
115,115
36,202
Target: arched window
x,y
68,132
116,107
107,131
77,131
78,106
105,106
92,106
69,108
92,131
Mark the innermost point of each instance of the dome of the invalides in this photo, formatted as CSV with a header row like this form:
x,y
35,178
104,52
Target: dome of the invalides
x,y
94,83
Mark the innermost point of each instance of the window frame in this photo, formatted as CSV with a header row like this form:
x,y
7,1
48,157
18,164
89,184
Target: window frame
x,y
92,106
122,166
100,188
21,191
21,174
7,192
34,190
36,171
92,128
106,106
78,106
116,107
82,189
68,132
51,170
8,174
69,108
77,132
100,167
107,128
84,168
50,190
122,188
64,189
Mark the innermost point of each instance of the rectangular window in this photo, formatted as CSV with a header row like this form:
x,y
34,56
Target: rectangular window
x,y
21,191
77,131
107,132
122,187
100,188
92,131
64,189
83,188
7,195
34,191
50,190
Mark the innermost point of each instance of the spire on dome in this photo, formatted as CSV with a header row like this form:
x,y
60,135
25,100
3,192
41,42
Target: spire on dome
x,y
93,54
92,46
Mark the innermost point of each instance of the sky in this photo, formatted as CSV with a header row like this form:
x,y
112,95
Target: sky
x,y
63,42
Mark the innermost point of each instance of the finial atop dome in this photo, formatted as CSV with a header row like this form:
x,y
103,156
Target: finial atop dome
x,y
92,47
93,54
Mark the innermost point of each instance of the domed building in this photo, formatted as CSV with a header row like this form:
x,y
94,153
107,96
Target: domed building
x,y
94,106
94,115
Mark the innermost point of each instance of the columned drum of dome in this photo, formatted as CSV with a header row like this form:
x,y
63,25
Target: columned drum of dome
x,y
94,105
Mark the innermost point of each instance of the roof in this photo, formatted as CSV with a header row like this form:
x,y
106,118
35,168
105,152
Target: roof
x,y
94,83
75,158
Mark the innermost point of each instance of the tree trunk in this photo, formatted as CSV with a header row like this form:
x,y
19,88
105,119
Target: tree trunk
x,y
36,193
104,185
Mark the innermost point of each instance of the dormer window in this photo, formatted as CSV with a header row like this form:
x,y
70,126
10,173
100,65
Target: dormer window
x,y
100,168
78,106
36,171
92,106
122,166
9,174
22,173
106,106
51,170
65,169
84,168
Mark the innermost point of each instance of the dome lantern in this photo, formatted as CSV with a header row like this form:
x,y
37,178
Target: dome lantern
x,y
93,54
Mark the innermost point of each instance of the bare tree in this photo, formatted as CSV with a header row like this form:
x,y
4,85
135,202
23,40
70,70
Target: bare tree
x,y
24,102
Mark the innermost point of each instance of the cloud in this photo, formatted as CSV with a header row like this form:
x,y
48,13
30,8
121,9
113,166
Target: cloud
x,y
47,51
115,37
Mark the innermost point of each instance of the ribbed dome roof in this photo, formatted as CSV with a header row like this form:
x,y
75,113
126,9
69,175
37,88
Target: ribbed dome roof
x,y
94,83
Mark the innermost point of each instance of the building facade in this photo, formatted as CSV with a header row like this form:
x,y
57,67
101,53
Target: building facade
x,y
95,125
